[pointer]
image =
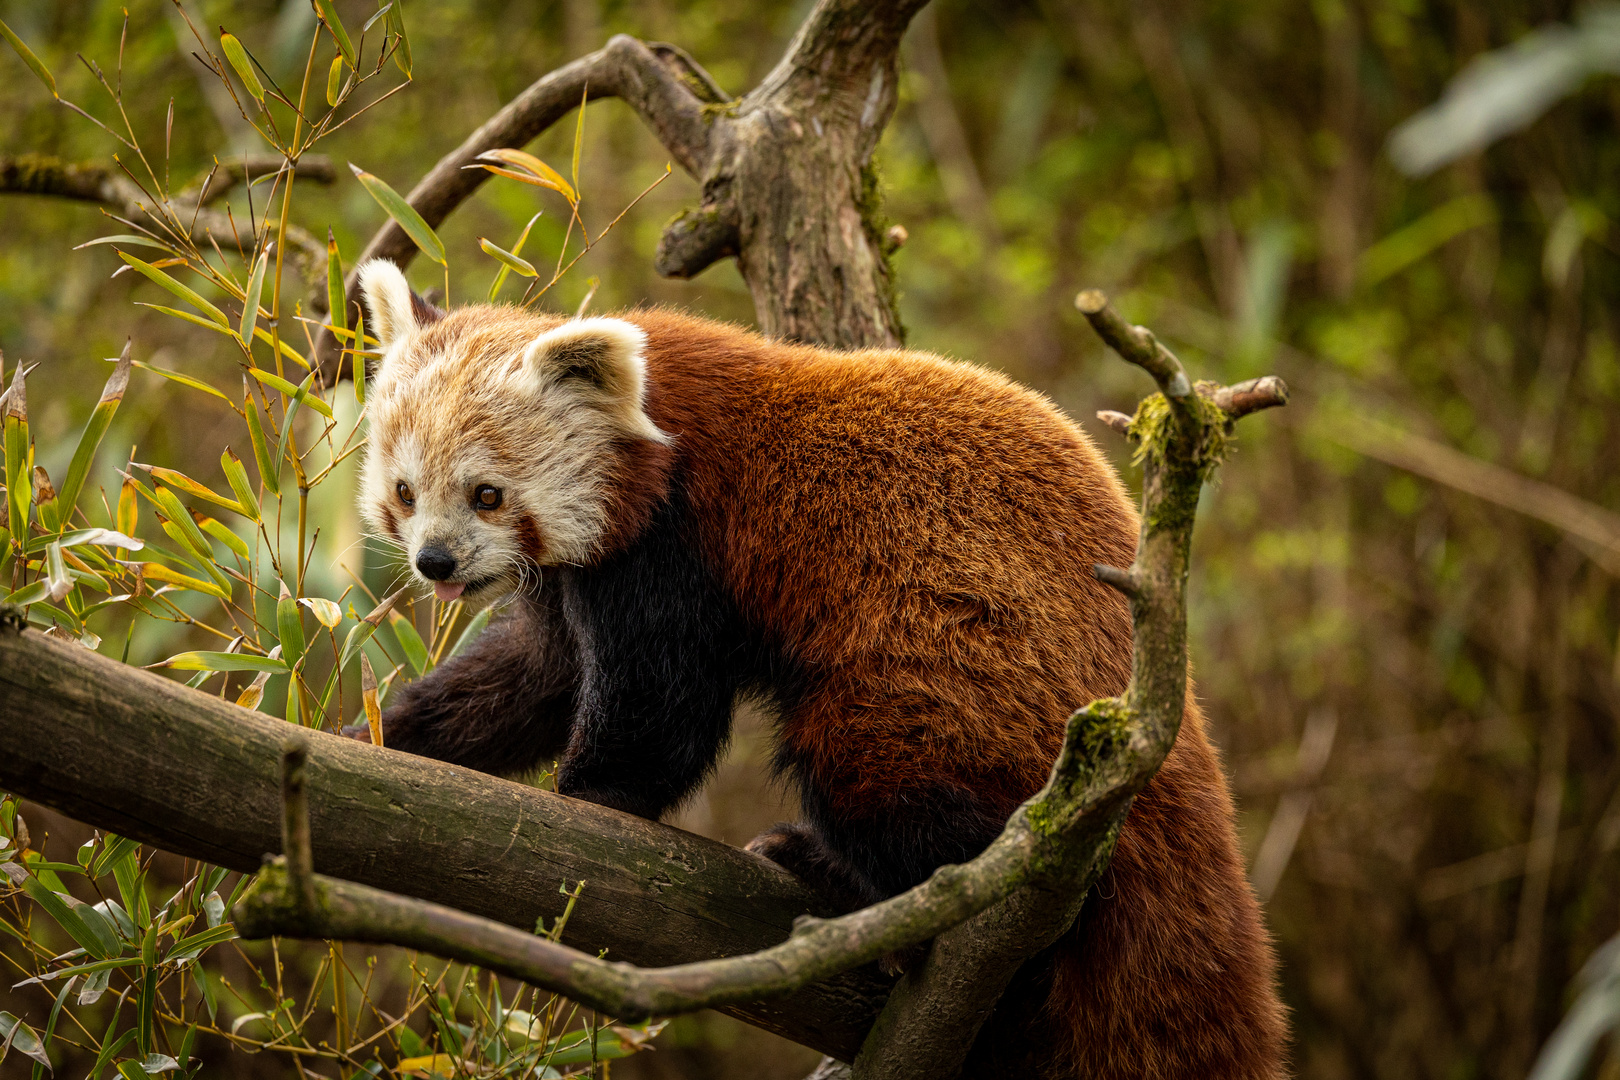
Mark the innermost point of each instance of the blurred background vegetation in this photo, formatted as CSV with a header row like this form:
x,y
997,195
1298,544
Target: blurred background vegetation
x,y
1407,650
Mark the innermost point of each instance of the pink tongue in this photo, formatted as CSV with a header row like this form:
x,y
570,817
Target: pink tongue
x,y
447,591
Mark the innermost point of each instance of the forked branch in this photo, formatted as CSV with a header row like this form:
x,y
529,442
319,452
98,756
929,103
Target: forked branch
x,y
1023,891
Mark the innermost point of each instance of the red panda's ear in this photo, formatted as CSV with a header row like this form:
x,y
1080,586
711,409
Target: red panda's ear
x,y
603,361
393,311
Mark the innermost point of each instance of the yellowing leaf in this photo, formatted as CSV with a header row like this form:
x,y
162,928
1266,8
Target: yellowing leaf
x,y
507,259
539,173
328,613
334,81
244,67
300,392
429,1065
223,661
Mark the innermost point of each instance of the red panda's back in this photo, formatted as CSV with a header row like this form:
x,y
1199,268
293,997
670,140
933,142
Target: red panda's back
x,y
920,534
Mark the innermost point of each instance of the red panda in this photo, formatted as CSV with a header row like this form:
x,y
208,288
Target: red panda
x,y
892,548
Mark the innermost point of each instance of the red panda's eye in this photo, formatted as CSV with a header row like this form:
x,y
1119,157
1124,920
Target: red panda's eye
x,y
487,497
406,495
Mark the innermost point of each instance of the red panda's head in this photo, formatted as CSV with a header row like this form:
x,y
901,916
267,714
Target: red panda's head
x,y
492,435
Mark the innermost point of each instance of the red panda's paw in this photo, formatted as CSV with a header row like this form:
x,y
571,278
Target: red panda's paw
x,y
900,961
357,732
801,850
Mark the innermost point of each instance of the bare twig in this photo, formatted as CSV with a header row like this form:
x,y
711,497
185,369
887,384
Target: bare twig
x,y
1119,421
296,850
1135,343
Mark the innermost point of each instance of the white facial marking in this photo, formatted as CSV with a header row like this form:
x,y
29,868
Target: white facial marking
x,y
493,397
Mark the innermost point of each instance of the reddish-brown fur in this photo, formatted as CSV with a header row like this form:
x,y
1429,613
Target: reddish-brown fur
x,y
917,537
947,601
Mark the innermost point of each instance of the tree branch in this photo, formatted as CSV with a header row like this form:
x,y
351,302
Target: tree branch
x,y
663,84
72,723
42,174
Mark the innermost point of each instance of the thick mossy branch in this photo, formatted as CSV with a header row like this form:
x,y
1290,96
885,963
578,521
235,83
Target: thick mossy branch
x,y
1156,426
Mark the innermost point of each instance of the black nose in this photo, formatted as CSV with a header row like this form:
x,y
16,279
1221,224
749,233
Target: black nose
x,y
436,563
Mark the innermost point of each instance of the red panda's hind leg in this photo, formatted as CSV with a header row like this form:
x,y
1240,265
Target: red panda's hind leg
x,y
803,851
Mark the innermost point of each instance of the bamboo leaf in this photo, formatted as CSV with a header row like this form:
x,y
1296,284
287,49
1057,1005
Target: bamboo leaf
x,y
330,17
579,134
249,699
180,517
56,574
29,594
128,238
300,393
326,612
287,426
539,172
368,700
517,249
189,947
474,627
98,941
337,306
223,661
129,510
79,537
507,259
237,477
286,350
153,571
250,302
404,215
244,67
19,454
178,377
269,468
13,1032
289,628
221,532
411,642
402,53
380,13
191,487
334,81
30,59
189,295
357,362
96,427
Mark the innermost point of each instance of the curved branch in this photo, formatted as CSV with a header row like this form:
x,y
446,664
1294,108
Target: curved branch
x,y
43,174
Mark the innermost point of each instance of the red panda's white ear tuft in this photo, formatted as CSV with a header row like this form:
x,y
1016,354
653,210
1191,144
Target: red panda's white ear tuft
x,y
604,359
389,312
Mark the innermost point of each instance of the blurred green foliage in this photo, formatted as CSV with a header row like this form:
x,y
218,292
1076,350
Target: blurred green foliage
x,y
1446,856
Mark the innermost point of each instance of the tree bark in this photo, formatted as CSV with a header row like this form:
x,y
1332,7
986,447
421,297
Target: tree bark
x,y
148,758
789,186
